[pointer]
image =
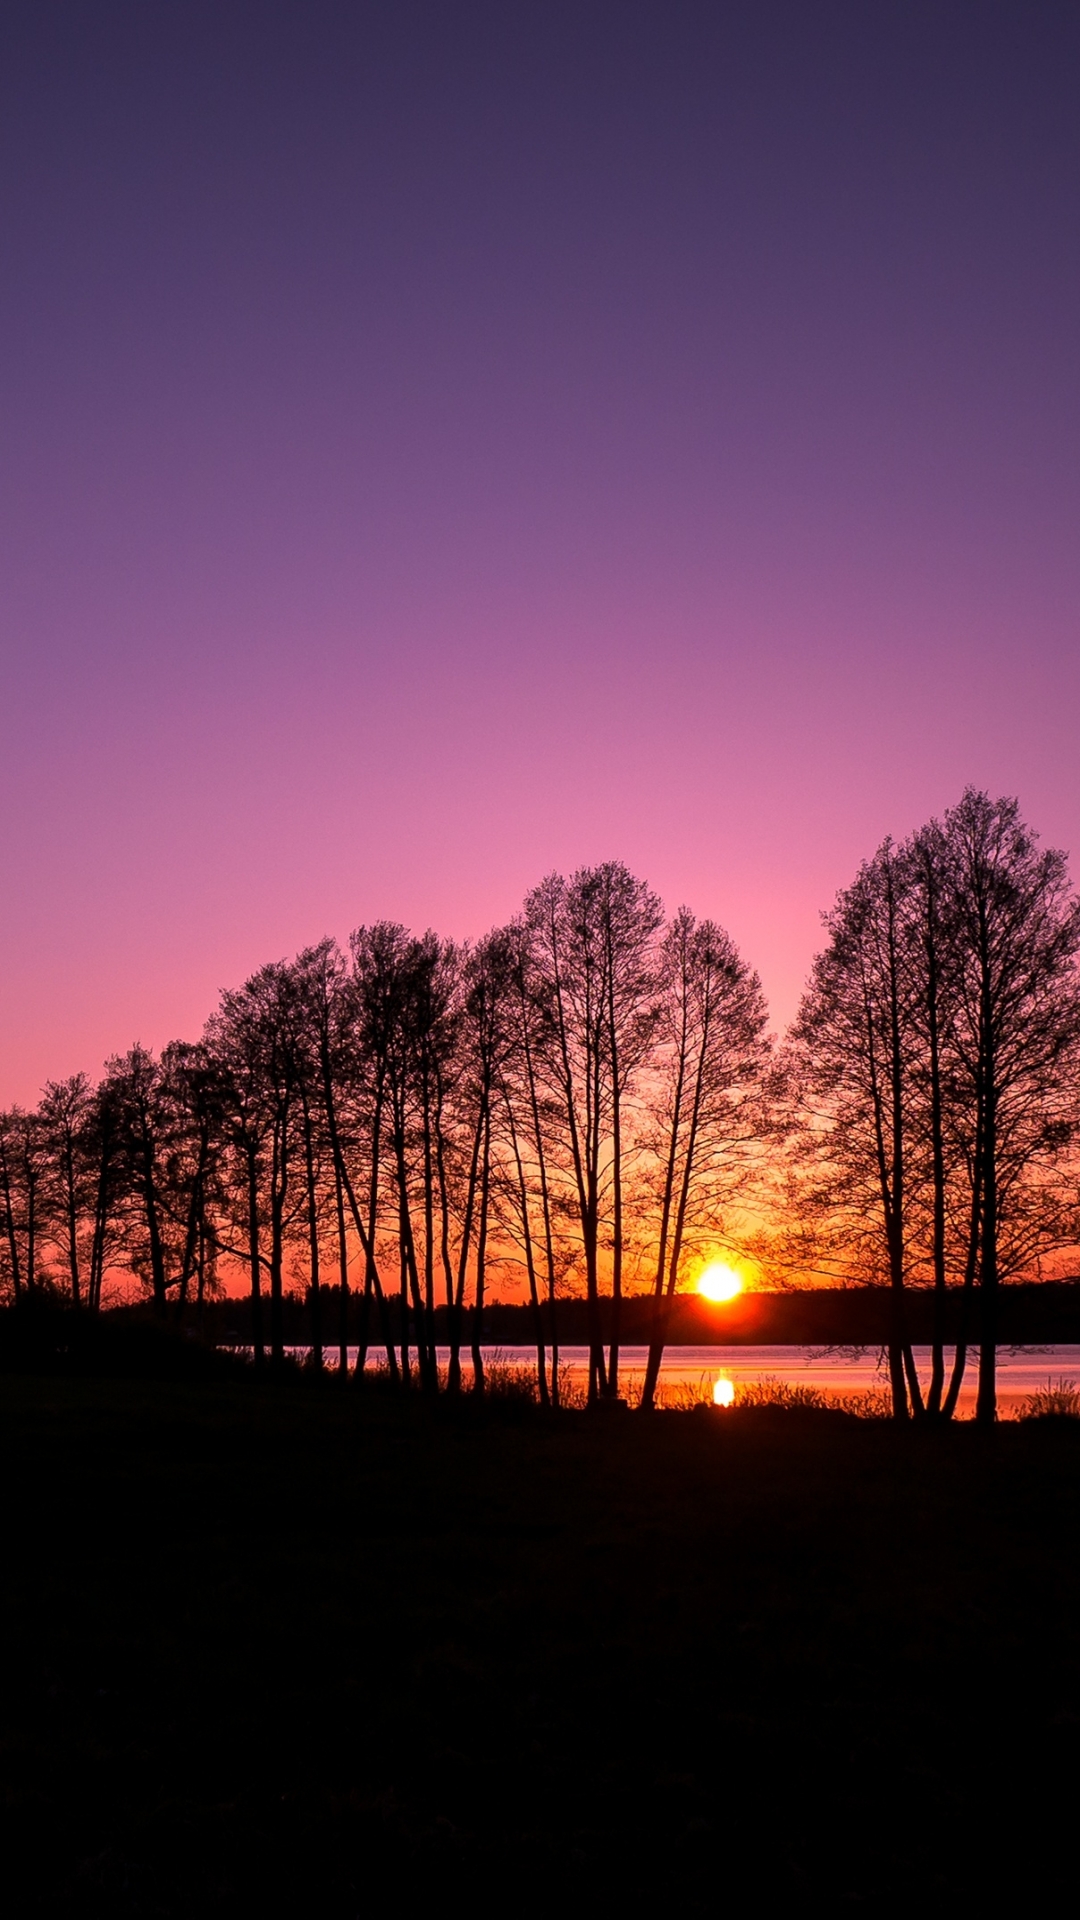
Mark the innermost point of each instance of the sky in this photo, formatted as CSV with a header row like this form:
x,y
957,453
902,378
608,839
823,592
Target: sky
x,y
443,443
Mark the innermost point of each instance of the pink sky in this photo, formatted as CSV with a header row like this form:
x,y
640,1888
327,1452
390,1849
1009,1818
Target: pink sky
x,y
433,457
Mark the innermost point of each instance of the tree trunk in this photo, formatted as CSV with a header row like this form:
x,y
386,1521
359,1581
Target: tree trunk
x,y
101,1224
365,1235
153,1226
658,1338
617,1196
314,1273
71,1199
456,1329
986,1400
959,1366
255,1259
279,1181
545,1197
343,1280
481,1256
937,1152
9,1222
530,1262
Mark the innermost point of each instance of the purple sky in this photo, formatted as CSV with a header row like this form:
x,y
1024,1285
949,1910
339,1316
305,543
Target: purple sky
x,y
440,443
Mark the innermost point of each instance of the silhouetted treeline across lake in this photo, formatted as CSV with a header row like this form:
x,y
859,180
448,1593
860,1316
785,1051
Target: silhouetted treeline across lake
x,y
587,1101
1029,1313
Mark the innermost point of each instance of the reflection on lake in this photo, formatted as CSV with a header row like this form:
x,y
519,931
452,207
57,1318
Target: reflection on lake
x,y
691,1373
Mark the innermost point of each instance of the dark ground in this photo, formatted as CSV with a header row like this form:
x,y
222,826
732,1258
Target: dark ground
x,y
309,1652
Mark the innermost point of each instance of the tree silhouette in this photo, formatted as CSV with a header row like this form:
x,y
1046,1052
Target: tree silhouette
x,y
934,1071
709,1106
585,1099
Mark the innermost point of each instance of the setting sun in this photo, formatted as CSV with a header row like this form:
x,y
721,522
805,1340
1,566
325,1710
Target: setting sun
x,y
719,1282
723,1393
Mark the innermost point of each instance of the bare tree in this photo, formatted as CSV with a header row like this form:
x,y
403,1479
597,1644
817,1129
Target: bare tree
x,y
102,1147
709,1104
23,1173
375,992
593,941
64,1115
1015,1040
935,1064
485,1043
257,1038
529,1125
139,1099
321,981
853,1049
233,1042
195,1095
431,1014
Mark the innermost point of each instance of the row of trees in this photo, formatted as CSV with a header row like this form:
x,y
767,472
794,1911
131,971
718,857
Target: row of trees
x,y
933,1082
589,1096
578,1095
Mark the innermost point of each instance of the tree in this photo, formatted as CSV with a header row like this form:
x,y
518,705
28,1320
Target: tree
x,y
103,1150
526,1121
321,982
256,1039
485,1046
709,1107
430,1020
138,1096
64,1114
928,894
593,958
232,1041
23,1169
379,961
1015,1040
191,1164
852,1051
935,1063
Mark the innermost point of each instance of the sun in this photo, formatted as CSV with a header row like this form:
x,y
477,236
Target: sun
x,y
719,1282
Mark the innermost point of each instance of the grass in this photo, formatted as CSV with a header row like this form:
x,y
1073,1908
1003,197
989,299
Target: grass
x,y
1058,1400
510,1380
316,1652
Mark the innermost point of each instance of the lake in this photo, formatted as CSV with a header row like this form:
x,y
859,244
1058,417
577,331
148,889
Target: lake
x,y
693,1371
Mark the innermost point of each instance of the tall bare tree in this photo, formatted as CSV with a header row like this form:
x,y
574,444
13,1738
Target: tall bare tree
x,y
710,1108
23,1174
593,953
936,1067
257,1038
853,1049
1015,1037
139,1098
64,1114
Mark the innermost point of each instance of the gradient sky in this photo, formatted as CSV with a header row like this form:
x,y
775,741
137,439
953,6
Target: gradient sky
x,y
440,443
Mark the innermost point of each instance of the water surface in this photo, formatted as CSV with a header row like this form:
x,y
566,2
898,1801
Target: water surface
x,y
692,1372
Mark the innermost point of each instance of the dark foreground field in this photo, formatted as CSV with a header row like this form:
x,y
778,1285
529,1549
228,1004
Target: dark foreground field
x,y
302,1652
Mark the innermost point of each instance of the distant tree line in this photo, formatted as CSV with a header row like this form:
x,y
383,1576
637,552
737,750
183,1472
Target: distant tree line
x,y
589,1096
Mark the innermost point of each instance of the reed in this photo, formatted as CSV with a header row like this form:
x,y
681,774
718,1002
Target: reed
x,y
1058,1400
